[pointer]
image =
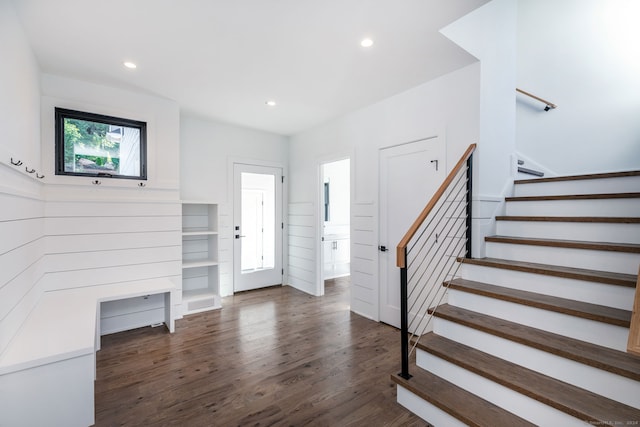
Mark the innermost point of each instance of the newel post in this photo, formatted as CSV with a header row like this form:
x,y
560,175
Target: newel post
x,y
404,320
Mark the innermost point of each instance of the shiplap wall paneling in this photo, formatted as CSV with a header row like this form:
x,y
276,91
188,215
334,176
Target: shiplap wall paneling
x,y
364,260
21,254
302,250
93,243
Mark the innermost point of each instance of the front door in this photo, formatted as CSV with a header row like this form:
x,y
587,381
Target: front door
x,y
257,227
409,176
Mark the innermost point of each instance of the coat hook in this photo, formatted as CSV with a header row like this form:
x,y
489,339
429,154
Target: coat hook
x,y
142,184
39,176
18,163
96,182
29,171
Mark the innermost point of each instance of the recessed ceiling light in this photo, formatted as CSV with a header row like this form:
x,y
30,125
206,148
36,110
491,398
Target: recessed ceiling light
x,y
130,65
366,42
271,103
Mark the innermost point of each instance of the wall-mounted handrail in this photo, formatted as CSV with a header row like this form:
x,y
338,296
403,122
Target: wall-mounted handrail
x,y
428,252
548,105
401,259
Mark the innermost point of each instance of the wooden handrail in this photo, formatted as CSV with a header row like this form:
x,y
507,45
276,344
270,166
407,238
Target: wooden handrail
x,y
401,260
633,344
549,105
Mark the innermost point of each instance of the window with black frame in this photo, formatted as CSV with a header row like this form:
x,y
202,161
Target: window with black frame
x,y
95,145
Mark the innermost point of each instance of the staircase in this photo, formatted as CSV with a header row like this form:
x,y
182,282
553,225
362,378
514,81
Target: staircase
x,y
536,332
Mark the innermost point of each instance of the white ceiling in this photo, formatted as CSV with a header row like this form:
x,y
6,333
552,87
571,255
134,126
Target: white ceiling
x,y
222,59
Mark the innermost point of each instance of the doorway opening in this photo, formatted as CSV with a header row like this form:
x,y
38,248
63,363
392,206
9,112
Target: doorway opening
x,y
335,214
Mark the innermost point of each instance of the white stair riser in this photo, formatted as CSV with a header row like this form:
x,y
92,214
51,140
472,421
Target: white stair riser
x,y
618,262
425,410
599,333
610,385
629,184
593,232
608,207
579,290
525,407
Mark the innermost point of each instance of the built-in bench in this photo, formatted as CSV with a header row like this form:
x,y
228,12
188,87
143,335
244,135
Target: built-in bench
x,y
47,373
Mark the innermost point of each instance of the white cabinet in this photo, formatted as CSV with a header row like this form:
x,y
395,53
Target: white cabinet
x,y
336,256
200,270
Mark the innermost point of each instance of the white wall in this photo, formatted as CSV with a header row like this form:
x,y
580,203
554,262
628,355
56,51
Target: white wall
x,y
206,149
21,205
116,231
207,152
447,105
584,56
489,33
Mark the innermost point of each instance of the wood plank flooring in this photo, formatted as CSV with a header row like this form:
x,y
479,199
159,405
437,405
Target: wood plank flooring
x,y
271,357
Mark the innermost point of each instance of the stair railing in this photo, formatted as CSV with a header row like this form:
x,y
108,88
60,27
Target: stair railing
x,y
427,254
547,104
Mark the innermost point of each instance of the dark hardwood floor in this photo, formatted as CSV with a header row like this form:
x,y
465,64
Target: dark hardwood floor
x,y
271,357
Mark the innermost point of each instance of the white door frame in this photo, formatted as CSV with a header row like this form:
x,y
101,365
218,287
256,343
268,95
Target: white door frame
x,y
285,211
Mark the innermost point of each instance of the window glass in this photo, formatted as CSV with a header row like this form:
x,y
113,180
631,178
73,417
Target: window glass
x,y
95,145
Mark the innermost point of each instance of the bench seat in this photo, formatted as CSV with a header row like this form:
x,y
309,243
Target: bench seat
x,y
50,362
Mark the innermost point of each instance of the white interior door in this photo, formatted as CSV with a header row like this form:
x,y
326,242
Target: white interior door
x,y
409,176
257,227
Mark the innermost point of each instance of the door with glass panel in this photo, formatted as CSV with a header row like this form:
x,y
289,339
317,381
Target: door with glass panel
x,y
257,227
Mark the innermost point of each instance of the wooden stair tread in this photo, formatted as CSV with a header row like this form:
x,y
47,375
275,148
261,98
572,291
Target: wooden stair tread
x,y
614,361
580,219
572,244
574,197
599,313
610,278
579,177
577,402
448,397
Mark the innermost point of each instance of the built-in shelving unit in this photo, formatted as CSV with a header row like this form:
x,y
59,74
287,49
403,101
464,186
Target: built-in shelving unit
x,y
200,274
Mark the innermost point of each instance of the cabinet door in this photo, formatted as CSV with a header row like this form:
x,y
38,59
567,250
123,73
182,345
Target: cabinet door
x,y
342,252
328,252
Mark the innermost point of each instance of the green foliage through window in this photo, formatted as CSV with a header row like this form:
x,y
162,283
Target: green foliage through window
x,y
95,145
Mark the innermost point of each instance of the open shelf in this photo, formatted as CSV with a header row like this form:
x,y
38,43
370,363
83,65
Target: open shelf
x,y
200,274
199,233
196,264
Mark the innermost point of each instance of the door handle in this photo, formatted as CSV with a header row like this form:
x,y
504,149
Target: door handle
x,y
382,248
239,236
